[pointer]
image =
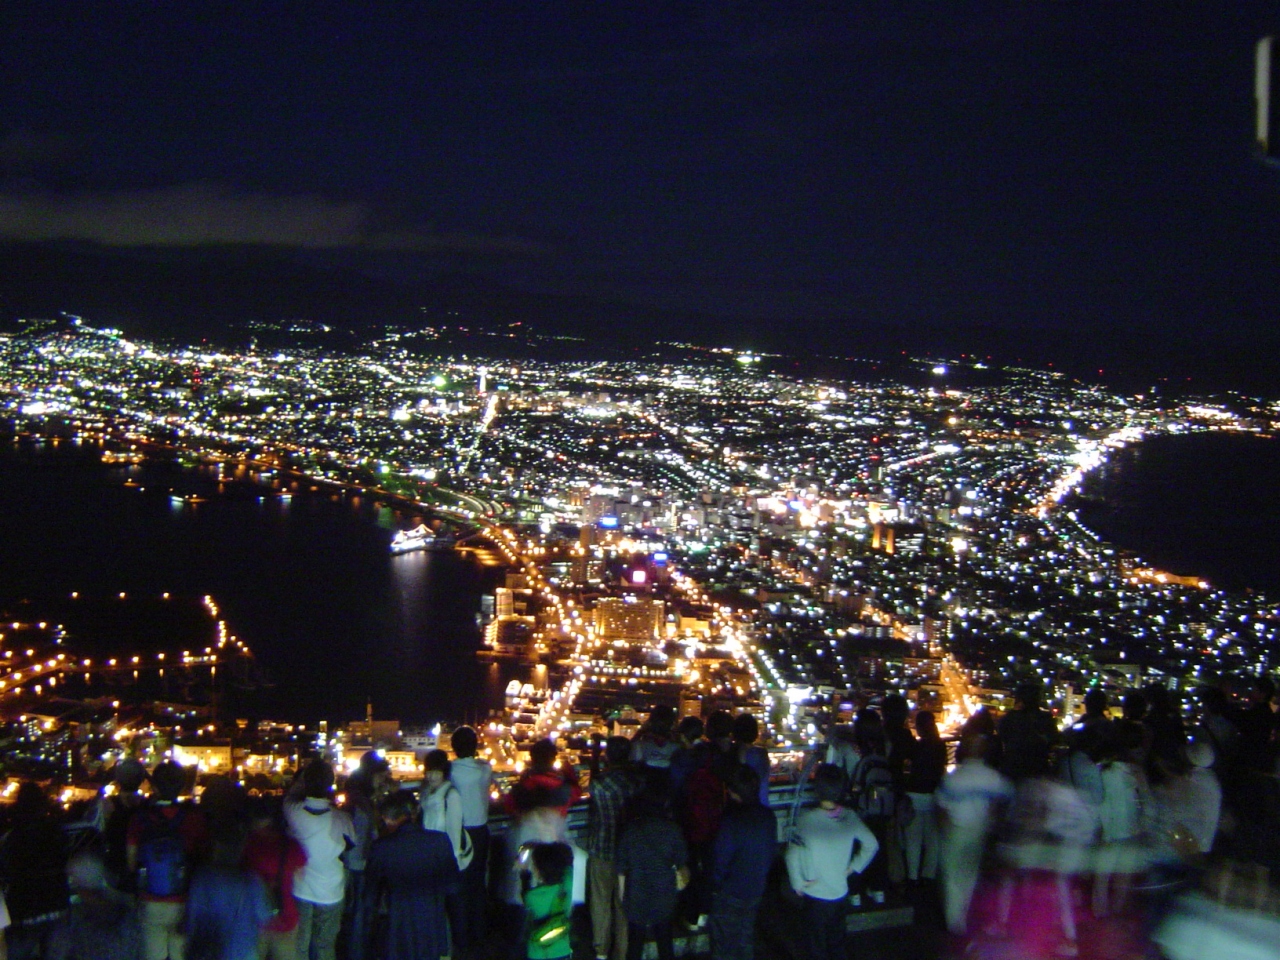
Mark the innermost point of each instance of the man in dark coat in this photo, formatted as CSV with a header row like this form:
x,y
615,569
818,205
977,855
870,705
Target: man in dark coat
x,y
415,867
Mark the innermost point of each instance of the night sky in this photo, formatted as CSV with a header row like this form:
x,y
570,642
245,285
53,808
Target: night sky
x,y
1038,166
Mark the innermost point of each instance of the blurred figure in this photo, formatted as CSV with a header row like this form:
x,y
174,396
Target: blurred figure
x,y
746,731
365,788
610,793
227,904
548,901
101,923
540,802
474,779
831,843
115,810
275,858
928,765
1050,829
33,860
981,723
969,801
1126,801
324,833
651,860
742,856
166,841
415,869
842,750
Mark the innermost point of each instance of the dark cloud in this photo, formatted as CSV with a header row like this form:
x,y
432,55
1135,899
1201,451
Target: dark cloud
x,y
201,214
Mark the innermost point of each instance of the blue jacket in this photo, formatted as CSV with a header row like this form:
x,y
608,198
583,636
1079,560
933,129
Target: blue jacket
x,y
744,850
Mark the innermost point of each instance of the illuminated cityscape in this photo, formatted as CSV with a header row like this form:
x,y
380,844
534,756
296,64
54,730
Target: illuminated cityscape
x,y
698,528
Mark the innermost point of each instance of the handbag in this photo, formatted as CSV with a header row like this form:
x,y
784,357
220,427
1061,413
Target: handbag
x,y
552,928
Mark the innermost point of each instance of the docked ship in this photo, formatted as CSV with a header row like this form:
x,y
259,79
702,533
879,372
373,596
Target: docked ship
x,y
406,541
421,538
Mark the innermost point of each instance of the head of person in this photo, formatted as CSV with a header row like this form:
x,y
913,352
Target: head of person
x,y
617,751
895,710
551,861
926,725
746,729
265,813
1200,754
868,731
542,755
743,785
829,784
398,809
31,802
720,726
436,767
129,775
662,719
1028,695
465,742
1095,702
690,729
317,780
168,779
1134,705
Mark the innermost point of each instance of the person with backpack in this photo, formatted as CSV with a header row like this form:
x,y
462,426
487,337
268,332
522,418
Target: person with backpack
x,y
547,879
875,800
165,842
830,843
442,811
325,834
275,857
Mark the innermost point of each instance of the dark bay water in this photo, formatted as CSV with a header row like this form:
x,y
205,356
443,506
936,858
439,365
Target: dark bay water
x,y
309,584
1205,504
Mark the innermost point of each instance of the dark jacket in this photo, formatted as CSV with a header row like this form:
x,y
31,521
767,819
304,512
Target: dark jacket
x,y
744,850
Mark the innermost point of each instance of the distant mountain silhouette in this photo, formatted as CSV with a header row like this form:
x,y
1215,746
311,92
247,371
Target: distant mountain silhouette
x,y
212,292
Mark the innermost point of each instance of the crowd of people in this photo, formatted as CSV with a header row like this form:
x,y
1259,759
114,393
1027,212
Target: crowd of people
x,y
1027,833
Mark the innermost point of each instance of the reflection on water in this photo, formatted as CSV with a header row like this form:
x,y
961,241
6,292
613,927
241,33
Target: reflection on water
x,y
308,583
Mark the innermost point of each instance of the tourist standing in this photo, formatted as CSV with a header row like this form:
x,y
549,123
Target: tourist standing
x,y
921,840
275,857
165,842
746,730
442,811
830,845
415,869
652,860
609,794
548,901
474,779
227,905
324,833
742,856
